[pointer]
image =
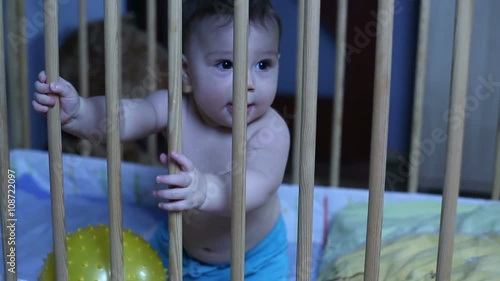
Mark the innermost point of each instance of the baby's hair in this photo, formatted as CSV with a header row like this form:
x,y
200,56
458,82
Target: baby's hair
x,y
260,11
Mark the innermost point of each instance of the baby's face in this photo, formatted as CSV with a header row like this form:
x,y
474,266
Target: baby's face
x,y
208,68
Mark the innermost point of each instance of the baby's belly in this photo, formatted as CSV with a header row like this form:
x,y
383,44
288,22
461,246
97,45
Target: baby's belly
x,y
208,238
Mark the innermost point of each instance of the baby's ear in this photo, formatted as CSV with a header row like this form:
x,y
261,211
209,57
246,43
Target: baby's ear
x,y
186,82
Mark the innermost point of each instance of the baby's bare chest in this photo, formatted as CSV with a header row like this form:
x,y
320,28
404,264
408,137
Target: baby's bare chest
x,y
209,151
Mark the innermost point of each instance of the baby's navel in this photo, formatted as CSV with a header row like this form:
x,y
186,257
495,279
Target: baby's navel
x,y
206,249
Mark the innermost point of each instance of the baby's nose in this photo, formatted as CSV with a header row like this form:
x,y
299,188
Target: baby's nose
x,y
250,82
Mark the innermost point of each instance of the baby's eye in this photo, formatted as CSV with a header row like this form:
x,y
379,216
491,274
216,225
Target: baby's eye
x,y
225,64
263,65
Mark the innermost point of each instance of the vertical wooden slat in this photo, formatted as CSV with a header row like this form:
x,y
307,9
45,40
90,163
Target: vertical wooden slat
x,y
112,51
459,79
17,54
238,176
9,275
338,100
151,27
83,54
308,138
378,157
297,116
83,60
418,97
54,137
495,195
175,128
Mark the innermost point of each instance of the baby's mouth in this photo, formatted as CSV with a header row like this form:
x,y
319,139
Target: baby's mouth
x,y
230,107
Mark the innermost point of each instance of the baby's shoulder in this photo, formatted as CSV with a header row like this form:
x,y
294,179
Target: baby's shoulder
x,y
270,128
272,120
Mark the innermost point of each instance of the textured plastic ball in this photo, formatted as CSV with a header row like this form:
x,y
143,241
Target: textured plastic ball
x,y
89,259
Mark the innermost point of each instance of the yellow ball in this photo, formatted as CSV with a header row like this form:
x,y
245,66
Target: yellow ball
x,y
89,260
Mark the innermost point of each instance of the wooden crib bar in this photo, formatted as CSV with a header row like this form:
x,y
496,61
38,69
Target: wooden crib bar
x,y
460,70
308,137
239,140
378,157
83,61
17,51
55,141
419,92
151,33
112,50
4,157
175,128
297,115
83,54
338,100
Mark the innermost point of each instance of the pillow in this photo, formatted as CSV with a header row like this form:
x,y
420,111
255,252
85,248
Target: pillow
x,y
347,233
414,257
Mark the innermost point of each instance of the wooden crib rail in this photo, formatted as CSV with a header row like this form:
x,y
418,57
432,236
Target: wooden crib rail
x,y
460,71
239,148
17,68
299,67
55,143
4,158
151,33
378,157
83,54
83,61
307,136
175,127
338,100
419,92
112,29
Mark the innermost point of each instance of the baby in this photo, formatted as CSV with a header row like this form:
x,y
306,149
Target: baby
x,y
204,180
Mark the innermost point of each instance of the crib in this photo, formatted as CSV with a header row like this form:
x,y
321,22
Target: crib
x,y
335,233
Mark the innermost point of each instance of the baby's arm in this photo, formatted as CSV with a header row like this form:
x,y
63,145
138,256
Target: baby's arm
x,y
267,155
142,117
266,161
138,117
86,117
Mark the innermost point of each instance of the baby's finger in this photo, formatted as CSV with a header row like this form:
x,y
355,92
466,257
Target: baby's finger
x,y
44,99
58,88
180,180
163,159
184,162
39,108
42,77
175,206
171,193
41,87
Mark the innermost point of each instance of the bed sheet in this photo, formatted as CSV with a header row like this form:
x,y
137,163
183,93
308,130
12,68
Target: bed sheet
x,y
85,192
410,234
86,204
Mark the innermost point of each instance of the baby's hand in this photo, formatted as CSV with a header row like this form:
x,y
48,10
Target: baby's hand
x,y
188,188
68,97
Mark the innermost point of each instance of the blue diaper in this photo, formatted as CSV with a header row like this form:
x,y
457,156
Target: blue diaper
x,y
268,260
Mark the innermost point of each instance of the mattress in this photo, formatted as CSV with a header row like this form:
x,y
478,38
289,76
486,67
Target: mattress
x,y
85,187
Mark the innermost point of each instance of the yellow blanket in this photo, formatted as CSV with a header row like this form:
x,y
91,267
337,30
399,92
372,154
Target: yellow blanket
x,y
410,238
413,257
